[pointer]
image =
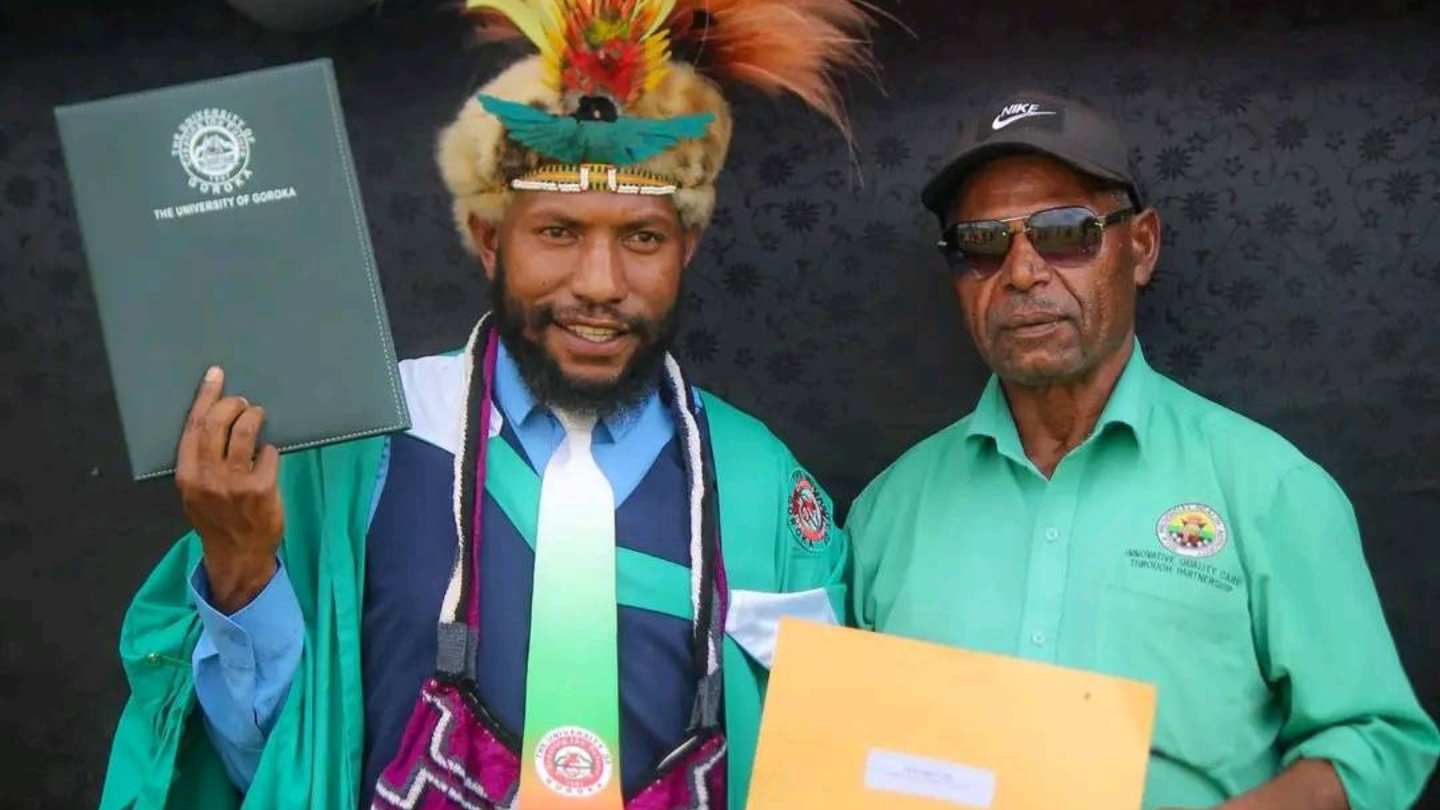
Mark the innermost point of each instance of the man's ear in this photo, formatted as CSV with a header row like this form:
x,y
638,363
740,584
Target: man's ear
x,y
1145,230
487,243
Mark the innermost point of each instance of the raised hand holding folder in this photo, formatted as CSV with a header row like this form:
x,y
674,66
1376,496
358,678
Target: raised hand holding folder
x,y
223,226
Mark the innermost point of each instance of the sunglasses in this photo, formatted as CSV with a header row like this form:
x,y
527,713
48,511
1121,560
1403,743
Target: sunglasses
x,y
1064,237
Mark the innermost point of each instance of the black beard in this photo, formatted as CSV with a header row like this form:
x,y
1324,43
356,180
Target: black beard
x,y
542,374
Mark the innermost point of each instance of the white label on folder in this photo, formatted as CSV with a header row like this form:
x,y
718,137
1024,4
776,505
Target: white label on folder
x,y
930,778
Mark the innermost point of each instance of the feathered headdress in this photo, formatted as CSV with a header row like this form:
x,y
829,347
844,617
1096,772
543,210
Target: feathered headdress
x,y
607,105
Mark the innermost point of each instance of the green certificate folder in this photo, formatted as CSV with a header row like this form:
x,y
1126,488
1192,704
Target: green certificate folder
x,y
223,225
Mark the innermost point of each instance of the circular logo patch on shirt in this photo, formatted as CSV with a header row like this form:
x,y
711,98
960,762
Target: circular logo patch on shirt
x,y
1192,530
573,762
808,517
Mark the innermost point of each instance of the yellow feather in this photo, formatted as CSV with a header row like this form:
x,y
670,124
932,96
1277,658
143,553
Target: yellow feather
x,y
527,15
657,59
553,57
660,8
546,23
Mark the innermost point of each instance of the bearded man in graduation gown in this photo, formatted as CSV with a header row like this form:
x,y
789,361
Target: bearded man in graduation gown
x,y
560,587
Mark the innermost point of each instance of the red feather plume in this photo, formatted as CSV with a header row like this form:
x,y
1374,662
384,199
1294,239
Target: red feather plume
x,y
779,46
776,46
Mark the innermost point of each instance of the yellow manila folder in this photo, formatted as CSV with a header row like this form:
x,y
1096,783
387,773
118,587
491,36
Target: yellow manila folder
x,y
857,720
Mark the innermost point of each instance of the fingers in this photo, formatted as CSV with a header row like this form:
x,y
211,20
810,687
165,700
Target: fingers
x,y
241,451
209,392
205,396
223,431
215,428
267,465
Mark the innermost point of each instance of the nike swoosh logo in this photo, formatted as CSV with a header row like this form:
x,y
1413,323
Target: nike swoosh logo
x,y
1001,121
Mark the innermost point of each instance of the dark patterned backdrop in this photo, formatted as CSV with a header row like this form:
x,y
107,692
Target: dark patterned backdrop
x,y
1293,148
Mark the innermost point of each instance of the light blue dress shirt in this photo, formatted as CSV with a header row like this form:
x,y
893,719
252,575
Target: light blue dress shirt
x,y
244,662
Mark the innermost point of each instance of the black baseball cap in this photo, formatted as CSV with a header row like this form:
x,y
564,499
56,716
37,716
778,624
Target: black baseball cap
x,y
1036,121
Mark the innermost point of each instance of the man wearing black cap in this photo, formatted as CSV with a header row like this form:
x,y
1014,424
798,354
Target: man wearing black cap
x,y
1092,513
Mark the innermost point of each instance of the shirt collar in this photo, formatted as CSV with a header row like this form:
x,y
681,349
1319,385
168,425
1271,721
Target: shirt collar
x,y
520,406
992,419
1129,405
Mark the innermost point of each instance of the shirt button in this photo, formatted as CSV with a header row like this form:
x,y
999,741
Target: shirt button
x,y
1038,638
1052,534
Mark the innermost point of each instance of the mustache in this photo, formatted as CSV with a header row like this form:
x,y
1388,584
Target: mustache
x,y
1028,310
539,317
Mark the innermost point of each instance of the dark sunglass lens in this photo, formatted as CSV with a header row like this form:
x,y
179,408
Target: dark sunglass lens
x,y
979,247
983,264
1065,235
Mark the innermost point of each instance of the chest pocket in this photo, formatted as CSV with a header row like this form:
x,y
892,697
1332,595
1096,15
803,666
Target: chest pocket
x,y
1200,655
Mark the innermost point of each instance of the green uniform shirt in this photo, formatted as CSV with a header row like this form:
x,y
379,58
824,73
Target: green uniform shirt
x,y
1182,545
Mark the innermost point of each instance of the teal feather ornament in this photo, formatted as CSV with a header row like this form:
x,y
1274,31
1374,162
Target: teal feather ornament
x,y
608,139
